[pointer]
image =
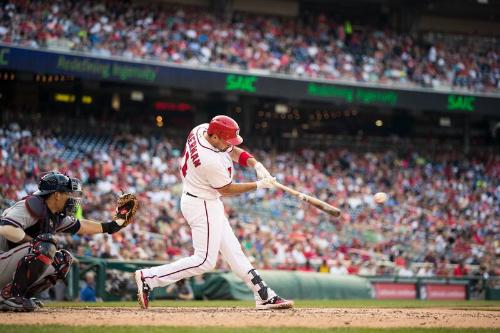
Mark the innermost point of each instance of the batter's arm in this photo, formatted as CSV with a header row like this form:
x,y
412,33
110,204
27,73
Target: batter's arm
x,y
235,156
237,188
245,159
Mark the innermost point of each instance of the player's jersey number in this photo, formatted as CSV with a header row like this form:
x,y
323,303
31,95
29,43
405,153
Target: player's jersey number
x,y
185,166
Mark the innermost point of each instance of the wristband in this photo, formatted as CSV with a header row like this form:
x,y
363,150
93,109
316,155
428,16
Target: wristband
x,y
243,159
110,227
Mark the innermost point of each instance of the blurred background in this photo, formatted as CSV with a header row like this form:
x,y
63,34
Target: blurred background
x,y
339,99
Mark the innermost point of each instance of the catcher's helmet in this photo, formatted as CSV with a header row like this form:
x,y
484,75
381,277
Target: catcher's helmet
x,y
57,182
225,128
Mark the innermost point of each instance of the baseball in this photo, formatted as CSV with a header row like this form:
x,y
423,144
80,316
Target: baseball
x,y
380,197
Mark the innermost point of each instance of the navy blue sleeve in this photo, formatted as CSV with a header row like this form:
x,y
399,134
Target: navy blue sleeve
x,y
70,225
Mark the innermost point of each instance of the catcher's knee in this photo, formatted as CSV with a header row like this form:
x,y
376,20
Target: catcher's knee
x,y
62,263
42,250
34,264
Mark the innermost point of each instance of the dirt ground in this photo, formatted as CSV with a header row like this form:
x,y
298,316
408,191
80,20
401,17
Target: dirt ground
x,y
243,317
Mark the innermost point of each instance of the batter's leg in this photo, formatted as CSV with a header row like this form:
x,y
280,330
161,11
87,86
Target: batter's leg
x,y
205,219
232,253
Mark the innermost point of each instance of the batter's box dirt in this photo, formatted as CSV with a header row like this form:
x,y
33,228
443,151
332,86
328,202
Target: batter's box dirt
x,y
244,317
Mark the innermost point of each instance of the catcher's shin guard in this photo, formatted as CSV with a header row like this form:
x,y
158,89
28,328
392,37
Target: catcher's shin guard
x,y
62,263
33,265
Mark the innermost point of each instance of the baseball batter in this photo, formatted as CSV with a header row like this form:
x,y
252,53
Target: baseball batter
x,y
207,171
29,259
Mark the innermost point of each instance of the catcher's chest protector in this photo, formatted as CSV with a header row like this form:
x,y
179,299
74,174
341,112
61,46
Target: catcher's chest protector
x,y
47,222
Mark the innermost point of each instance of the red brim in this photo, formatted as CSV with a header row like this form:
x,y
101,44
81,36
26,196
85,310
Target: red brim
x,y
235,141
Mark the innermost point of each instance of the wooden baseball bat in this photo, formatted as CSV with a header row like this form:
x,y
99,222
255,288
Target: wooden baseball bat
x,y
327,208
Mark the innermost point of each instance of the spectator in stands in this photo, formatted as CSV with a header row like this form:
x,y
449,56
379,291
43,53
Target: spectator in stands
x,y
406,271
324,268
88,292
443,206
442,269
460,270
181,290
311,45
425,270
368,269
306,267
338,268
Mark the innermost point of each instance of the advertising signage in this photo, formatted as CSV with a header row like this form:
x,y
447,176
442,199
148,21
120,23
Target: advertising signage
x,y
350,95
105,70
386,290
159,74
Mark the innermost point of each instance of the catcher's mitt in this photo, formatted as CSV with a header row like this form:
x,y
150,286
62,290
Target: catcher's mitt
x,y
126,206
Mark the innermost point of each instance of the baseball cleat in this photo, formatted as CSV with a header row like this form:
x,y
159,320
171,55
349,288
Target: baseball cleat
x,y
18,304
37,302
275,302
143,290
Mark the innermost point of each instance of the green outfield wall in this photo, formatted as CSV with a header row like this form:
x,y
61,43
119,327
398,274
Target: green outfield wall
x,y
290,284
220,285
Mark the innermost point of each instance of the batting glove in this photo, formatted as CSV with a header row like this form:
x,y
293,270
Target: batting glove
x,y
267,182
261,171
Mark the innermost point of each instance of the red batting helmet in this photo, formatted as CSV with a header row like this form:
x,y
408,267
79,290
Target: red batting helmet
x,y
225,128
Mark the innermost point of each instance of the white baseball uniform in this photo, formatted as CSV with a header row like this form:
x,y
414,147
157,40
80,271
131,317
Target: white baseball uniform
x,y
204,169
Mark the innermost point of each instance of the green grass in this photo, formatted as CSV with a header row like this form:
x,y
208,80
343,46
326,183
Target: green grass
x,y
494,305
163,329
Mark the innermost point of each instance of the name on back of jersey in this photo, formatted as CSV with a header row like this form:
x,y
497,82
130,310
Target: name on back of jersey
x,y
193,150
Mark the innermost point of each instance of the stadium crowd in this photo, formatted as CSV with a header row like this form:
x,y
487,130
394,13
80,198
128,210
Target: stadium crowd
x,y
311,45
442,216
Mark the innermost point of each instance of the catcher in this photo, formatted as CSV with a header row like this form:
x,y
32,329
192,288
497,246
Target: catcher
x,y
29,259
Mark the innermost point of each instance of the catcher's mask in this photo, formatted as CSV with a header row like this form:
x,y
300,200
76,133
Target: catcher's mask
x,y
57,182
74,197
